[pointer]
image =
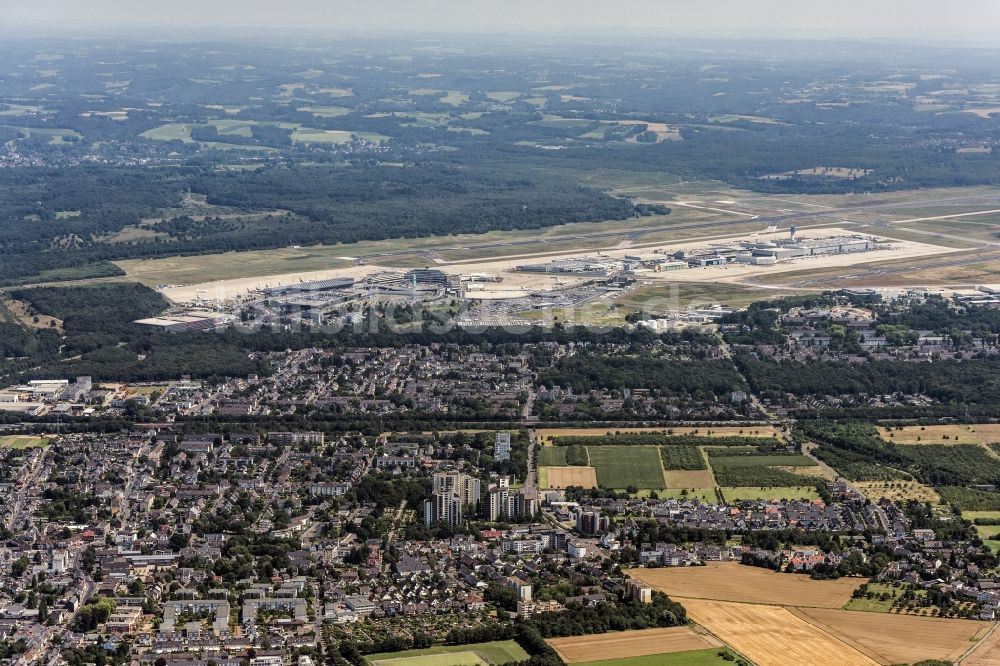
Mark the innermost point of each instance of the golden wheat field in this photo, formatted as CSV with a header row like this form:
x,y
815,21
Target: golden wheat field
x,y
773,636
895,639
563,477
621,644
976,433
729,581
689,478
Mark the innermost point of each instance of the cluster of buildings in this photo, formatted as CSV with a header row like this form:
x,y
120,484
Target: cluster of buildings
x,y
79,397
753,252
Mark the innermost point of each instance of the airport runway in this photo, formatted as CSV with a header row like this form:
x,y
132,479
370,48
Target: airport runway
x,y
765,219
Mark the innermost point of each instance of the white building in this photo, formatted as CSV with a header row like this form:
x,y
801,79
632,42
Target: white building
x,y
501,451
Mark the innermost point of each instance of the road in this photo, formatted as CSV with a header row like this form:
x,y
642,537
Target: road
x,y
36,465
531,478
395,522
526,415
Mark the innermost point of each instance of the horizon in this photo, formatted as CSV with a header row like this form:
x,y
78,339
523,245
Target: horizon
x,y
891,20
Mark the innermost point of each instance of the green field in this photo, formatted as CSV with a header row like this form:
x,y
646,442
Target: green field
x,y
170,132
451,659
504,96
972,515
709,657
769,493
309,135
335,92
661,298
879,605
56,135
988,531
562,123
22,442
682,457
761,471
765,461
706,495
624,466
552,456
300,134
455,98
326,111
475,654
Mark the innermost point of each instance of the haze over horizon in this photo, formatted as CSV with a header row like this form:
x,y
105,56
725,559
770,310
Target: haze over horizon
x,y
973,20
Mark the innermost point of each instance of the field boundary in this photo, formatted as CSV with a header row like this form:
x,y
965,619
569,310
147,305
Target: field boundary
x,y
802,615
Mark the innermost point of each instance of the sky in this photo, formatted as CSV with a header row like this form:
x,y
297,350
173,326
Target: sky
x,y
953,20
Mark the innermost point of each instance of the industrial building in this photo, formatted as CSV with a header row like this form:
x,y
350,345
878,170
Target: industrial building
x,y
584,267
313,287
433,277
772,252
183,323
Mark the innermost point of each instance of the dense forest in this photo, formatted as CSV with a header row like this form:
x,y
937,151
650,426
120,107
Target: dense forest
x,y
505,139
957,382
99,339
701,379
330,205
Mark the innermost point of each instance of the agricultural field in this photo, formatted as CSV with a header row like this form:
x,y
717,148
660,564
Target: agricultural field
x,y
970,499
902,599
476,654
699,478
764,431
682,457
326,111
728,581
711,657
988,515
702,494
244,129
763,470
56,135
22,442
336,137
552,456
624,466
877,604
979,433
563,477
898,491
769,493
621,644
988,533
625,457
894,639
779,619
985,653
773,636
